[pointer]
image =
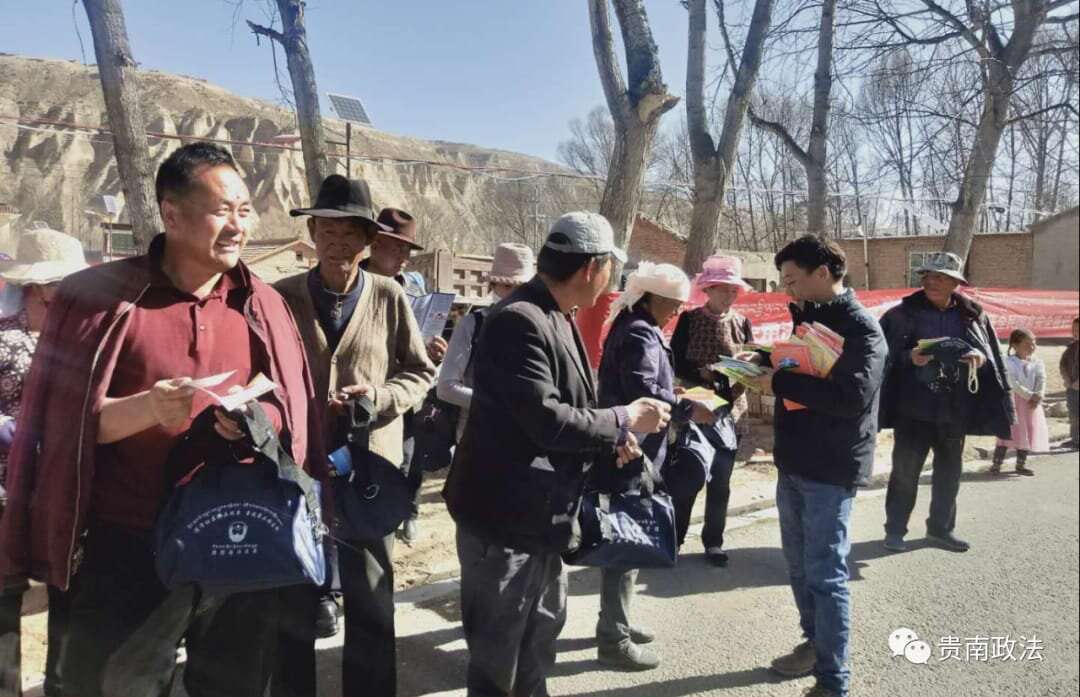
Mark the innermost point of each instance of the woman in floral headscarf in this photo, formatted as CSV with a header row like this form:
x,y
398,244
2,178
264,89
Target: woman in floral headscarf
x,y
43,259
701,337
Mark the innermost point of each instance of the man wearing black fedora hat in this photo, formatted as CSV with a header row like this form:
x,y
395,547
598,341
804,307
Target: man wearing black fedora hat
x,y
361,339
390,252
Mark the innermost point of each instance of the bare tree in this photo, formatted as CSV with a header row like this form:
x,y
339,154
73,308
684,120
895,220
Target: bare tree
x,y
588,149
120,85
714,163
636,105
293,39
814,157
1001,38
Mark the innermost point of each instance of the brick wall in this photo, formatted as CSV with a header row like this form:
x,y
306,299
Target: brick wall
x,y
1001,260
656,243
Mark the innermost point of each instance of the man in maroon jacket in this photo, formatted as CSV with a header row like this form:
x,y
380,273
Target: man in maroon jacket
x,y
107,396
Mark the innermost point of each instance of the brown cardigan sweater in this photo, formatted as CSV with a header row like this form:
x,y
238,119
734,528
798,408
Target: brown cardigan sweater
x,y
382,347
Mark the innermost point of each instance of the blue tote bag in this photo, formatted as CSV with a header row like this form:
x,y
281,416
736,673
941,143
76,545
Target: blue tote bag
x,y
233,527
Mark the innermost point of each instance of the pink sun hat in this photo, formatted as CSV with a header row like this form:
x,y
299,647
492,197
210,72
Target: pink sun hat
x,y
721,270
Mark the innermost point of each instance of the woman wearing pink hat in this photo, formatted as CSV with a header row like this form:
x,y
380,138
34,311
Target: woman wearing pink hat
x,y
701,336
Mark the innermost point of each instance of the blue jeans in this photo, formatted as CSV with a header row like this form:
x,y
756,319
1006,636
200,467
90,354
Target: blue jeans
x,y
815,522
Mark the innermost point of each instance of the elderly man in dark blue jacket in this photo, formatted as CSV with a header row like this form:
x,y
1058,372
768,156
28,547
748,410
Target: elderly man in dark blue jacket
x,y
933,404
820,451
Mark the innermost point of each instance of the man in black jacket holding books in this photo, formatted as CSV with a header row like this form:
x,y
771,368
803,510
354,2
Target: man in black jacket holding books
x,y
820,448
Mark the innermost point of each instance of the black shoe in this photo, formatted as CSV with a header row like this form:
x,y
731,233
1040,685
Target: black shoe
x,y
326,621
949,541
409,532
895,543
640,635
1024,471
716,556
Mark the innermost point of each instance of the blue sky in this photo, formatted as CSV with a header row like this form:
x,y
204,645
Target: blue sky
x,y
505,74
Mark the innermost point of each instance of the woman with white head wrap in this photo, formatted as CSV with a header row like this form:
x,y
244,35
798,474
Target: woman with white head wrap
x,y
637,363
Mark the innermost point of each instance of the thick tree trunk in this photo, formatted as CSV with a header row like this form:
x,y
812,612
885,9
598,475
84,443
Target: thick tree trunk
x,y
980,162
120,85
1000,68
816,183
713,165
636,106
312,137
622,192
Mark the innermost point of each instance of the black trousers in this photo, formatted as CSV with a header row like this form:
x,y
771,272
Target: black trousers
x,y
369,658
717,497
11,602
294,668
125,627
413,472
513,607
914,440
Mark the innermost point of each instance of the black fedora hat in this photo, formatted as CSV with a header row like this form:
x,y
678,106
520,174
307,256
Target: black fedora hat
x,y
343,198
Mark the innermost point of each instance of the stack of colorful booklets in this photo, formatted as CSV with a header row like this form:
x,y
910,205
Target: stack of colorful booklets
x,y
737,371
812,351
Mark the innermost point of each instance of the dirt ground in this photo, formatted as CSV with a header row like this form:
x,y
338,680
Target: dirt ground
x,y
433,557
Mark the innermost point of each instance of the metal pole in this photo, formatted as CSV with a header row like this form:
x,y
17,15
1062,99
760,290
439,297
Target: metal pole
x,y
865,255
348,149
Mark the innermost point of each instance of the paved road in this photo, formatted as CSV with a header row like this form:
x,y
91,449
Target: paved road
x,y
718,628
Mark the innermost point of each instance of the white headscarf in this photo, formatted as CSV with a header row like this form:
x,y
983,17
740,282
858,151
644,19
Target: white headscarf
x,y
665,280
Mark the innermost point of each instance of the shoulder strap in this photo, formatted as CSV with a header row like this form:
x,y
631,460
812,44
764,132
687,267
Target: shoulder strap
x,y
478,319
265,443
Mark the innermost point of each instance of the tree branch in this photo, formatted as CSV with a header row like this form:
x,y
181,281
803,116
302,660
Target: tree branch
x,y
647,93
782,132
1040,112
957,24
259,30
701,142
606,62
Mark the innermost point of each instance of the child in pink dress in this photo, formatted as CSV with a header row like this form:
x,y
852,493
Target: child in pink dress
x,y
1027,378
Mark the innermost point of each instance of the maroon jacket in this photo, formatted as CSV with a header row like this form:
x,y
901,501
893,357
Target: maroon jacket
x,y
51,463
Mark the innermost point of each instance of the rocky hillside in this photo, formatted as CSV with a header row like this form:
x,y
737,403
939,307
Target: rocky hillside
x,y
57,174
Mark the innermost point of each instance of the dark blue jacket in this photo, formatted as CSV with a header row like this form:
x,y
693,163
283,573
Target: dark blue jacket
x,y
834,438
991,409
636,363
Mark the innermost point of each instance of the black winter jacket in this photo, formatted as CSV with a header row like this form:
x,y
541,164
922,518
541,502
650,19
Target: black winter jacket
x,y
834,437
992,412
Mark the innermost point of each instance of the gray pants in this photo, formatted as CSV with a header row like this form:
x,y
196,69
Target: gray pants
x,y
513,606
616,592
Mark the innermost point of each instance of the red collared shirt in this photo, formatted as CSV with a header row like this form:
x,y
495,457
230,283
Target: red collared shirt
x,y
171,334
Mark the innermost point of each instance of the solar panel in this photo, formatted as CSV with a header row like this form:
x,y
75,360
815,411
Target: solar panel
x,y
349,108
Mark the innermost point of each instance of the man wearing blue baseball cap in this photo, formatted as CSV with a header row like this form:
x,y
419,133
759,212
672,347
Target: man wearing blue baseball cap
x,y
533,432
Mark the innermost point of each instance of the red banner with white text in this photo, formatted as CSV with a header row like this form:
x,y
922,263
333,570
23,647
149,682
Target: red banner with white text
x,y
1047,313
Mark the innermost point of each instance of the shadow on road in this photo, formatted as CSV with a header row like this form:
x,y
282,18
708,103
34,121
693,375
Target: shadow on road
x,y
694,685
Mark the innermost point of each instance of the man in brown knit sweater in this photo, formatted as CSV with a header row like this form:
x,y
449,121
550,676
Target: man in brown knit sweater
x,y
361,339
